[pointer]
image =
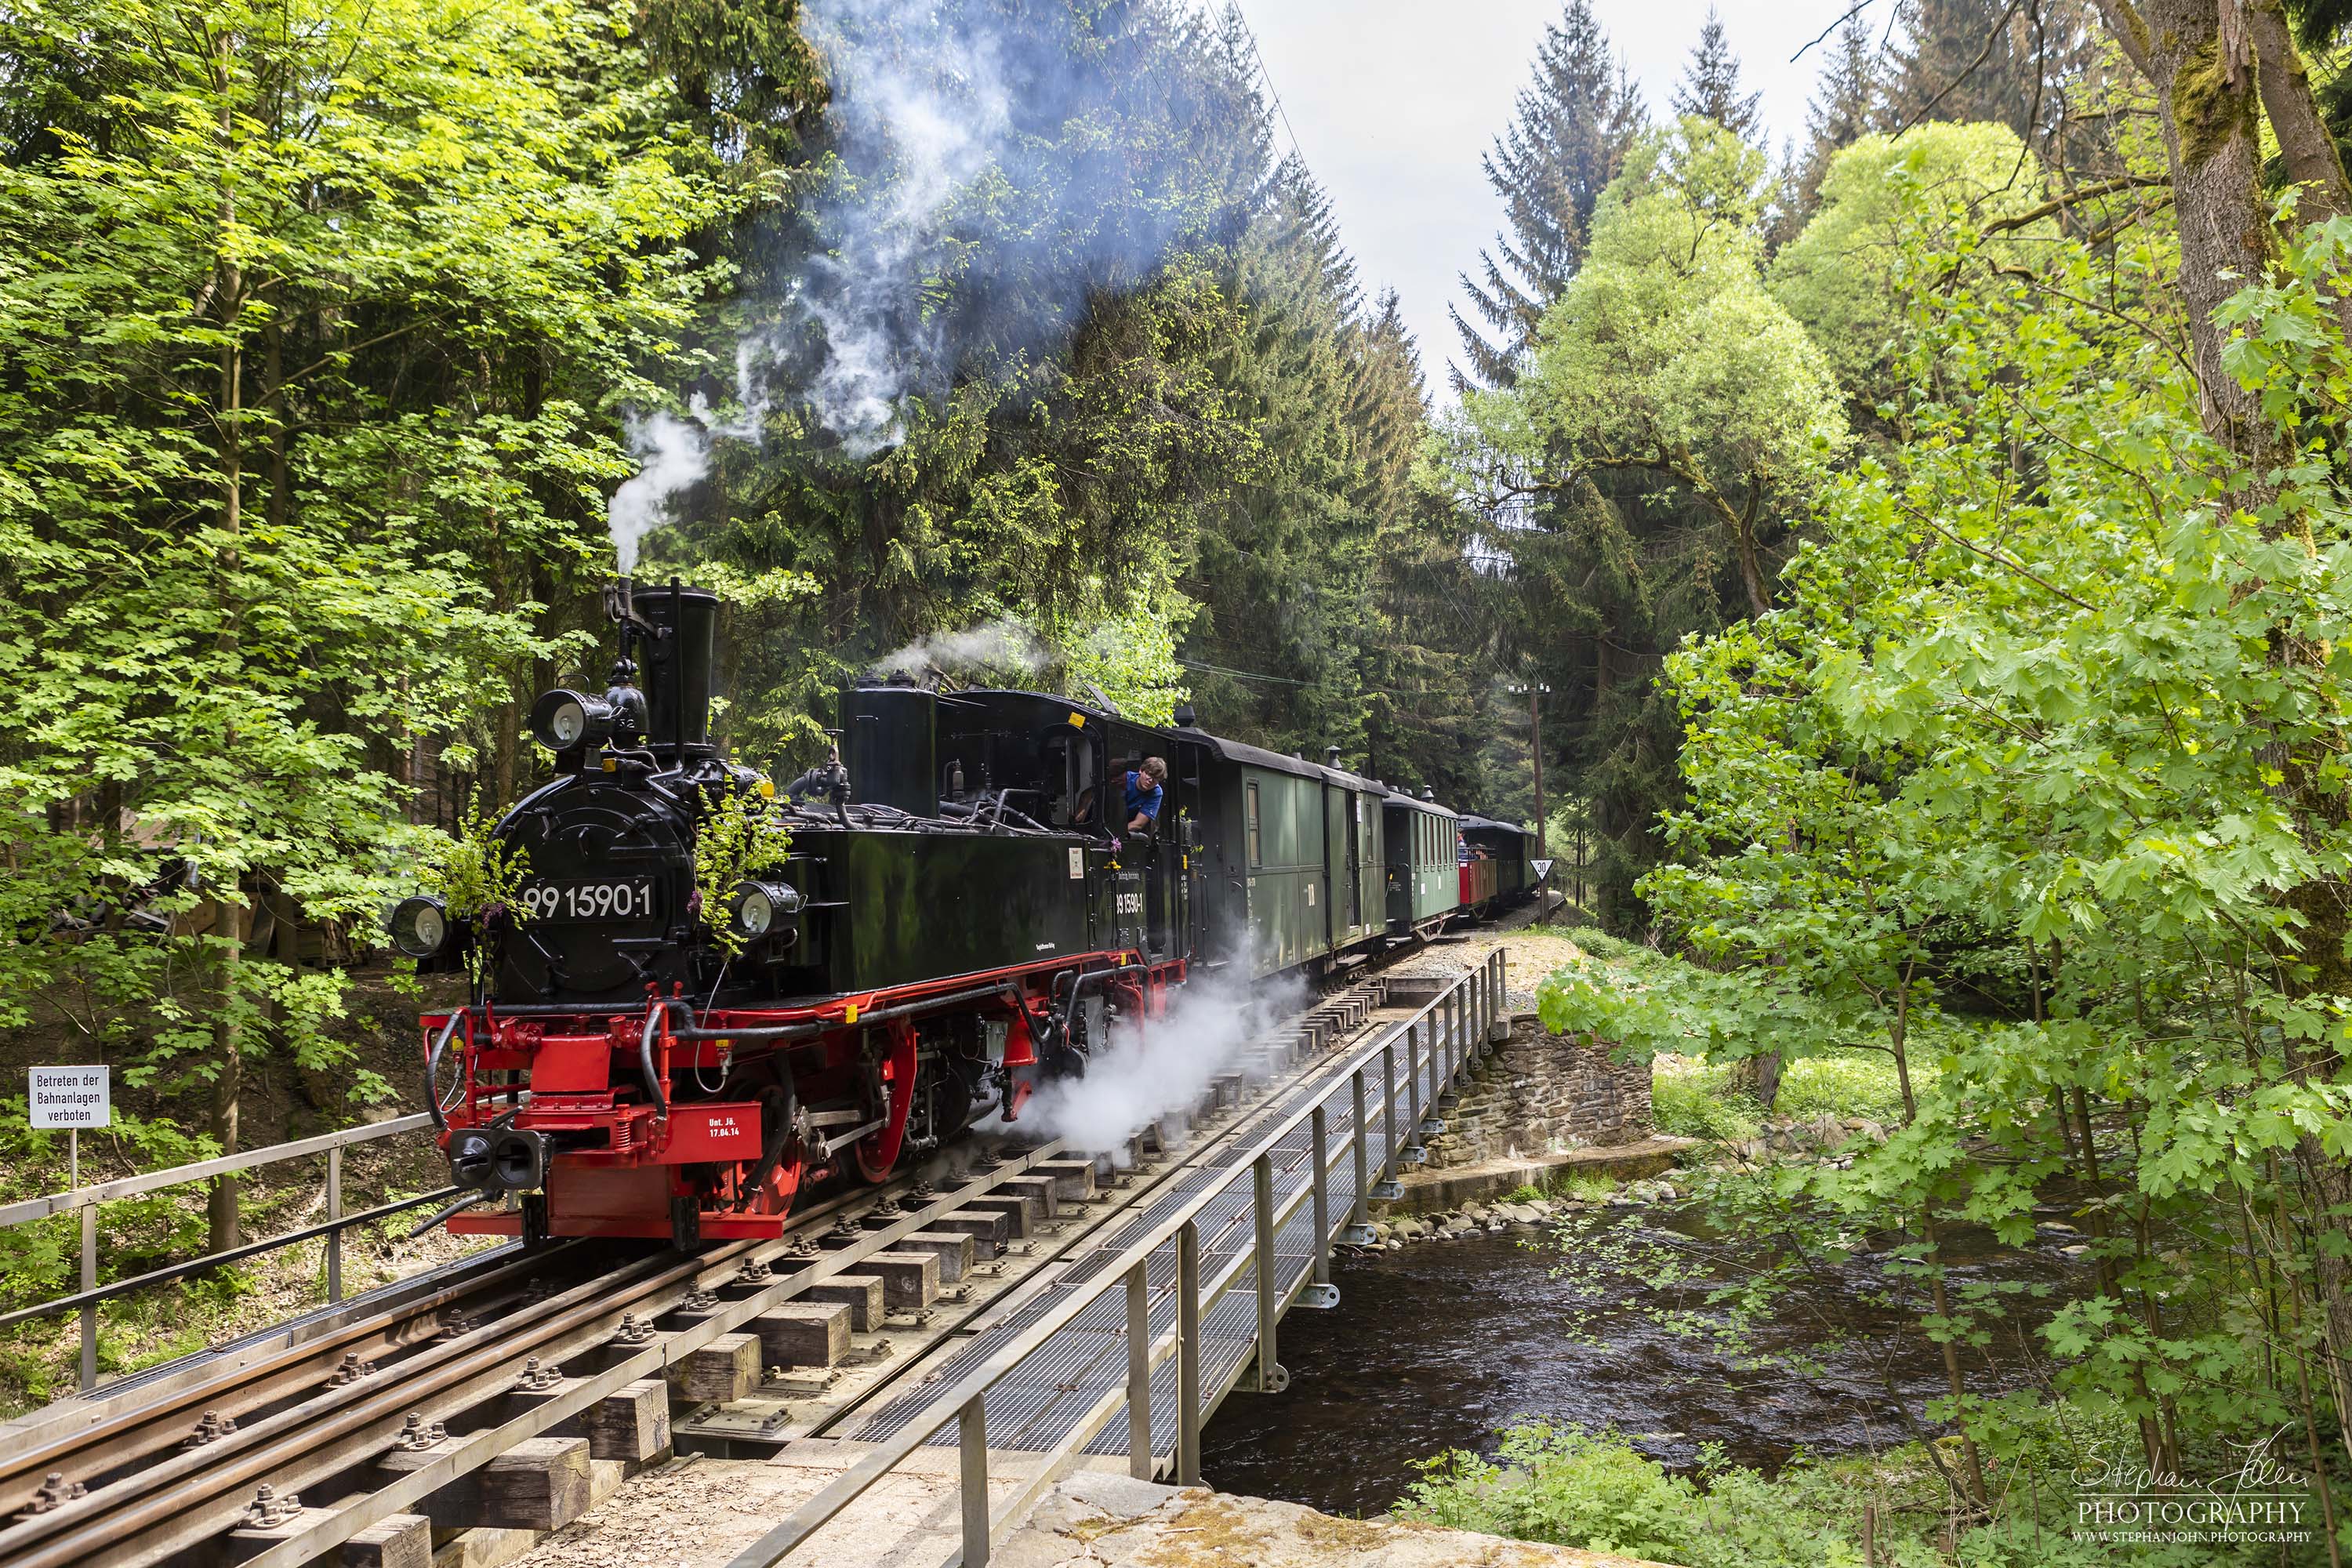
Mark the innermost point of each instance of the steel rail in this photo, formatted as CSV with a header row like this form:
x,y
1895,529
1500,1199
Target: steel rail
x,y
87,1452
478,1449
179,1500
963,1402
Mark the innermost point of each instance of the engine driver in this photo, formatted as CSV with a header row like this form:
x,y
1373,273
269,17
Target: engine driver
x,y
1144,794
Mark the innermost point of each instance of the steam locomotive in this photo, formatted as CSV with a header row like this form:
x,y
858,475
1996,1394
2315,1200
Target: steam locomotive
x,y
959,912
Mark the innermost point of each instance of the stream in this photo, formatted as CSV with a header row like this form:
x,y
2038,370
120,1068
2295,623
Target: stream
x,y
1437,1345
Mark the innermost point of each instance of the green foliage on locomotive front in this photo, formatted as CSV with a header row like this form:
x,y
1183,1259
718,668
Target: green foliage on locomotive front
x,y
737,839
475,873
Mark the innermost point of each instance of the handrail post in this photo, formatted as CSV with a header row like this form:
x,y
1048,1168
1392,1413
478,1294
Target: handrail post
x,y
1139,1456
1438,1047
1501,961
335,1211
1461,1033
1359,1217
90,1282
1320,1293
1412,1074
1387,1105
1188,1355
1488,1006
1473,1033
971,1446
1269,1290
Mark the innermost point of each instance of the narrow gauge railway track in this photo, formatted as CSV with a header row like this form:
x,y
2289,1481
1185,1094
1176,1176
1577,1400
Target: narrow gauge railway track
x,y
144,1420
451,1387
155,1497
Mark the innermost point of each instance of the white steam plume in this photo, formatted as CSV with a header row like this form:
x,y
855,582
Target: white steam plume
x,y
674,454
940,212
999,645
920,110
1137,1081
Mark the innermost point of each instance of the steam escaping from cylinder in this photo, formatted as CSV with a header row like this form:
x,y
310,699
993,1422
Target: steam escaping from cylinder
x,y
1167,1066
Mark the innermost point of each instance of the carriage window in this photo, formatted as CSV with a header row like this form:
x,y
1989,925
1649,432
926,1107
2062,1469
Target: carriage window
x,y
1254,859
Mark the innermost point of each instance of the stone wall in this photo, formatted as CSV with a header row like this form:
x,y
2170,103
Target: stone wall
x,y
1541,1093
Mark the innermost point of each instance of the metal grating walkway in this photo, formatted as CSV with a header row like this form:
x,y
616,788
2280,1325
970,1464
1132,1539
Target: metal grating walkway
x,y
1044,1398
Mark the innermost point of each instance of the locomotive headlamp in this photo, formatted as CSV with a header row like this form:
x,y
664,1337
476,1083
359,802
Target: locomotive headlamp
x,y
566,720
754,908
419,925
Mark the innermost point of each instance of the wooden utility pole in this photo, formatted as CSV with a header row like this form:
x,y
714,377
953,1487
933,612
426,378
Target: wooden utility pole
x,y
1535,754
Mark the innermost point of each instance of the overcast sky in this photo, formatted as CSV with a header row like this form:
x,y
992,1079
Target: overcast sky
x,y
1393,100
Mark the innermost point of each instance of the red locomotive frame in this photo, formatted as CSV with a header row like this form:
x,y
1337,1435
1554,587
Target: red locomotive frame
x,y
627,1165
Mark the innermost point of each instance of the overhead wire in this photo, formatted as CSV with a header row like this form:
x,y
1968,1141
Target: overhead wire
x,y
1266,77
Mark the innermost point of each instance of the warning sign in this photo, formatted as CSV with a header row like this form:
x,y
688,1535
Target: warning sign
x,y
72,1097
1542,868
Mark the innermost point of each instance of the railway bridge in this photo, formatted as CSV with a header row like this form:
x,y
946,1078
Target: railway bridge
x,y
901,1379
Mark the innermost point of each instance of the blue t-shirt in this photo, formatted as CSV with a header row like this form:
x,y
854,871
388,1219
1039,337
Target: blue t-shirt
x,y
1146,802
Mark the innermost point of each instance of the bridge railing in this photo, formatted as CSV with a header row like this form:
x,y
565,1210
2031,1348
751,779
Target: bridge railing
x,y
1452,1024
84,1201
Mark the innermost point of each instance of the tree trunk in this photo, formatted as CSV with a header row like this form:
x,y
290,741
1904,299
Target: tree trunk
x,y
2308,149
228,1063
1751,565
228,932
510,719
2205,85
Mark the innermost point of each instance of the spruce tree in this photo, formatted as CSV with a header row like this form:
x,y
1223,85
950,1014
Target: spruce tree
x,y
1848,104
1965,59
1572,125
1710,84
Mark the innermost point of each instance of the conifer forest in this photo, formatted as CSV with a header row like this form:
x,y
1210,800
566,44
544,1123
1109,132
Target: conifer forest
x,y
1902,570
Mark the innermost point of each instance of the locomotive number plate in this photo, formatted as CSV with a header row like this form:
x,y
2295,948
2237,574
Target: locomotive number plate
x,y
590,900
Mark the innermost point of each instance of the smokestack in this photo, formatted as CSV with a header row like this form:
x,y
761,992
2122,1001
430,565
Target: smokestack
x,y
677,630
